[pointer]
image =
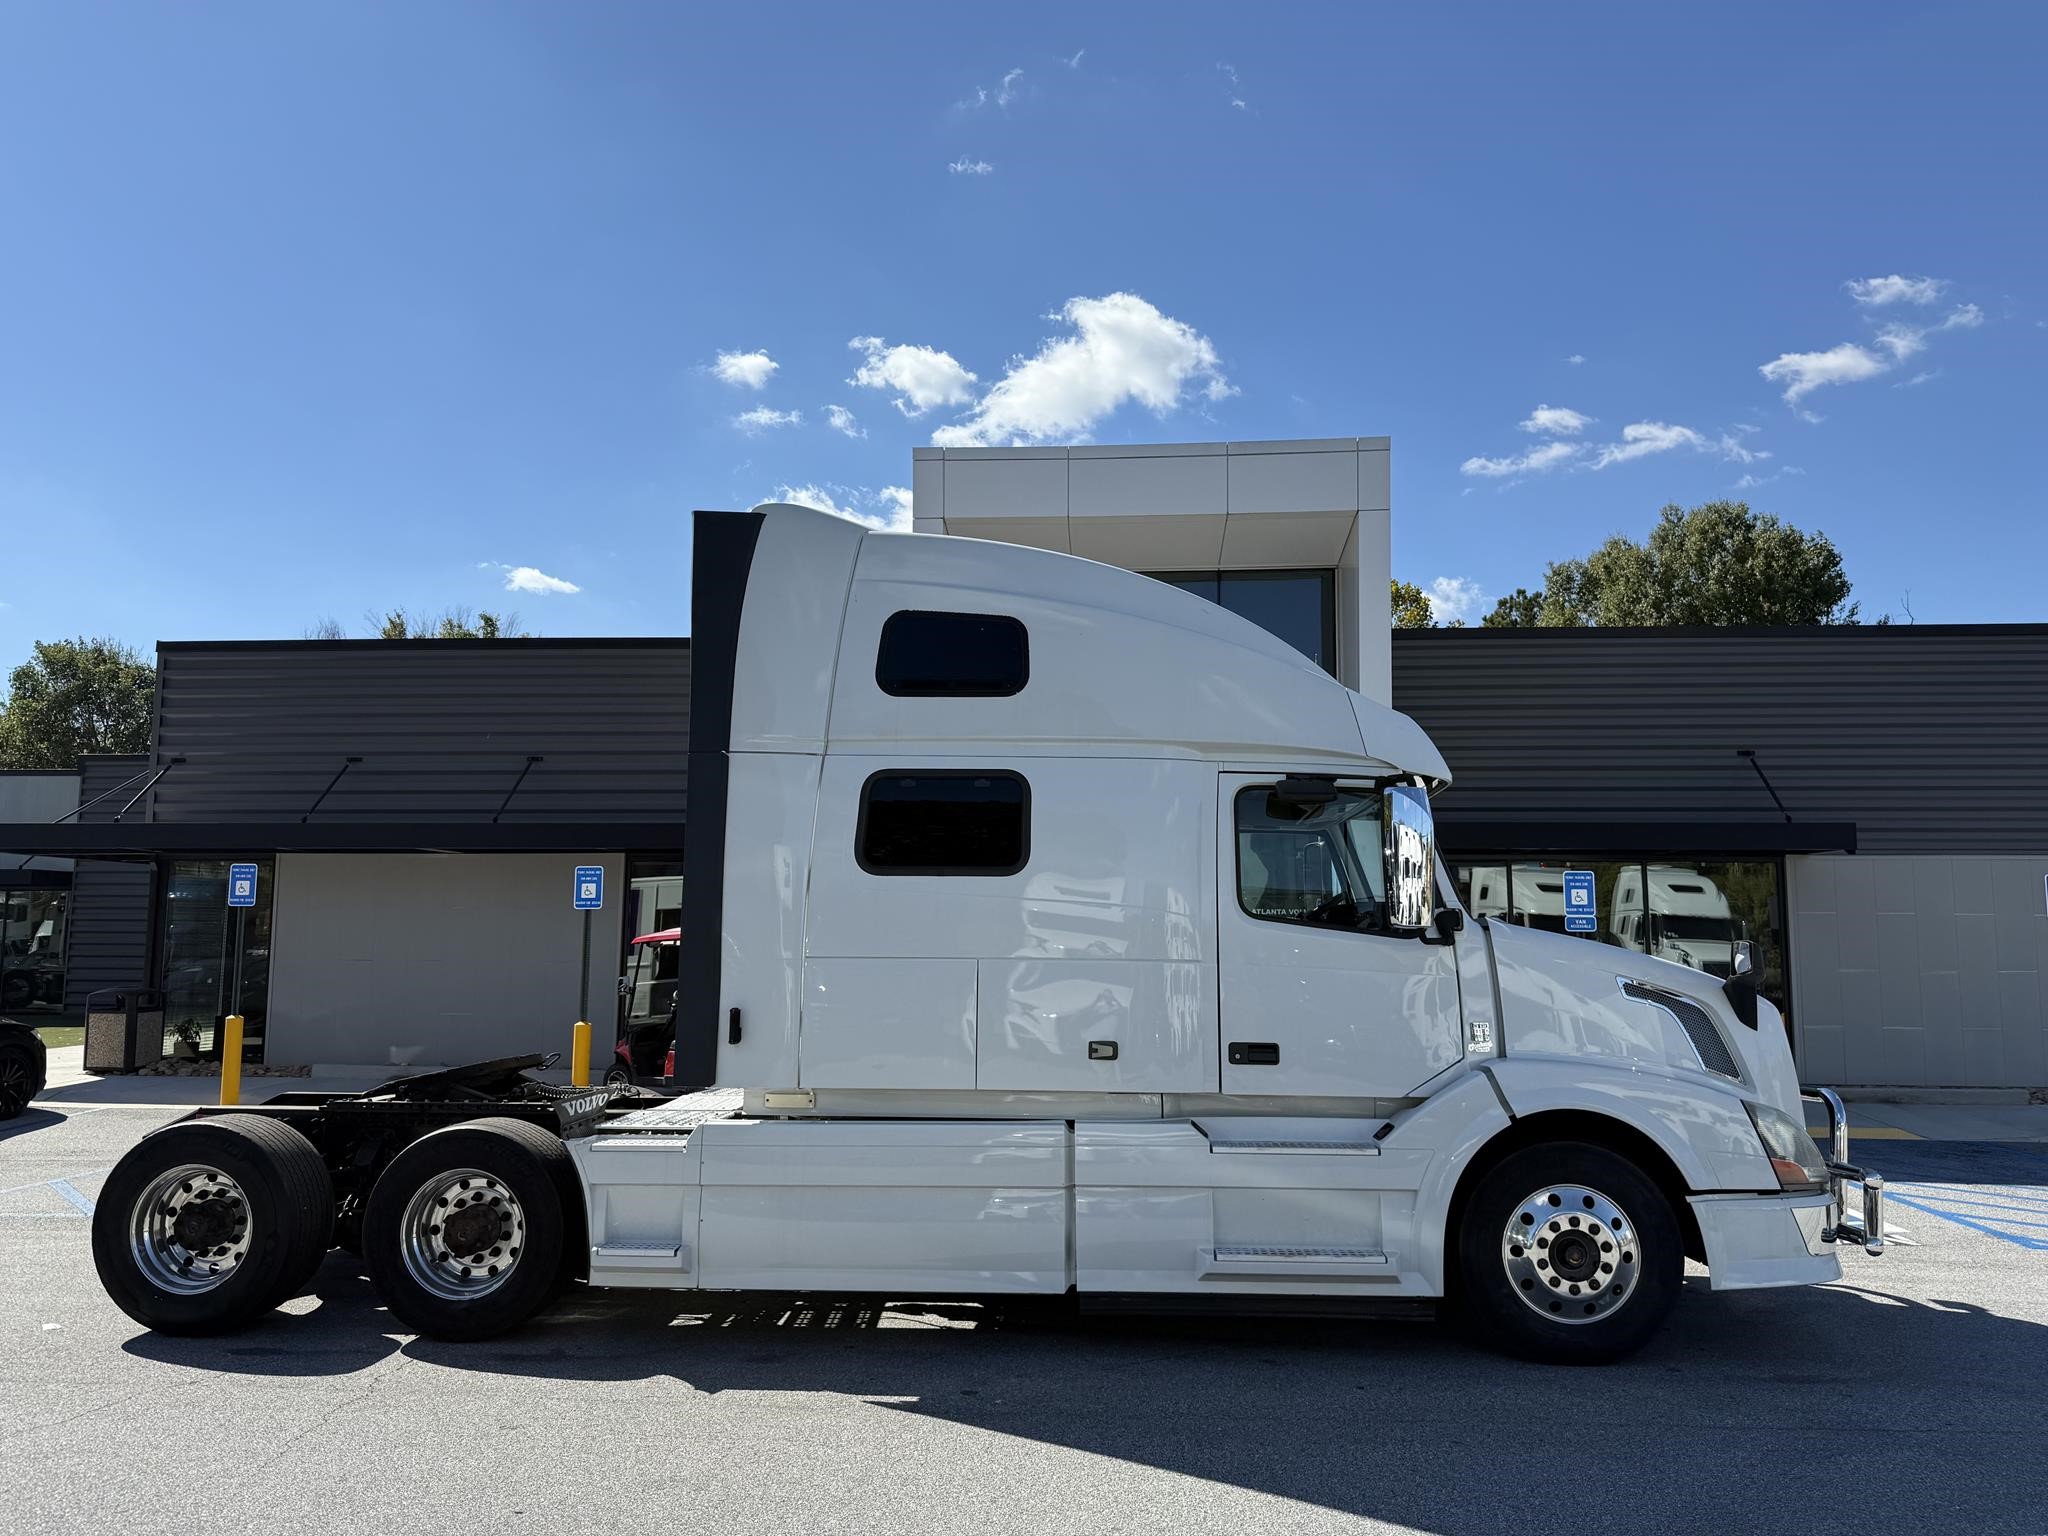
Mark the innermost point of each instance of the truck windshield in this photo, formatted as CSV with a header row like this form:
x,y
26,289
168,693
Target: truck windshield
x,y
1319,864
1719,929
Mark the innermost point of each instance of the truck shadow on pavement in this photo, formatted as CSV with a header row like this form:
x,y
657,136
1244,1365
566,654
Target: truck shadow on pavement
x,y
1746,1408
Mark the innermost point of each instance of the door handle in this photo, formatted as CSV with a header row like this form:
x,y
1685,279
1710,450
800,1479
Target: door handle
x,y
1254,1053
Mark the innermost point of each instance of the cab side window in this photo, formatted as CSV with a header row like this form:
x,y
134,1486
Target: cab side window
x,y
932,655
1316,864
944,821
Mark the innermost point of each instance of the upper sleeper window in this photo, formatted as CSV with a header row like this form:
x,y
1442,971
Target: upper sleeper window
x,y
941,821
928,655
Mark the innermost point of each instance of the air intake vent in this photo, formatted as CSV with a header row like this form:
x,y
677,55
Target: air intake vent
x,y
1697,1023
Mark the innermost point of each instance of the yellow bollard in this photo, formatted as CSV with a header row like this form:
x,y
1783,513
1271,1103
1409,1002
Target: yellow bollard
x,y
231,1059
579,1056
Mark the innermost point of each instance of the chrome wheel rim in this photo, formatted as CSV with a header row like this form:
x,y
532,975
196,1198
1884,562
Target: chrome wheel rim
x,y
190,1230
1571,1254
463,1233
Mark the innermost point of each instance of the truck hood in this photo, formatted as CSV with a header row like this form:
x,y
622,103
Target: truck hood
x,y
1563,996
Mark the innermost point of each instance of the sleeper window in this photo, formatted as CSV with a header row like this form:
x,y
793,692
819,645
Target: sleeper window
x,y
944,822
1315,864
952,655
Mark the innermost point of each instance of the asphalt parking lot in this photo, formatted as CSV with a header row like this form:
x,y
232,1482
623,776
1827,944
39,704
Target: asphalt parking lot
x,y
1908,1397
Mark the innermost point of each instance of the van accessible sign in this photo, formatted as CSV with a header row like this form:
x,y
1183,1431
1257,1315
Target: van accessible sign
x,y
589,891
1580,913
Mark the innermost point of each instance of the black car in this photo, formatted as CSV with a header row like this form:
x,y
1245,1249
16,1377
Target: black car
x,y
24,1067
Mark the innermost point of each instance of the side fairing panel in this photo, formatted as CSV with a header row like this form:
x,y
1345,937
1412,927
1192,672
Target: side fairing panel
x,y
771,803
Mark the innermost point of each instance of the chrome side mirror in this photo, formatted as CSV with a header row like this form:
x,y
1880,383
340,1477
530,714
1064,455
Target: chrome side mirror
x,y
1410,844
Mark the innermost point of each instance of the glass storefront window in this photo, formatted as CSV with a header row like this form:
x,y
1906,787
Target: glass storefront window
x,y
1298,606
32,950
1697,913
199,959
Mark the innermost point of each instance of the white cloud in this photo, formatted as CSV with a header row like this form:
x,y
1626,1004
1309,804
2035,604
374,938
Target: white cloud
x,y
1576,358
761,418
1546,456
1803,372
887,509
1876,292
1555,421
1751,481
840,419
1005,92
1902,341
749,370
1123,349
919,377
527,578
1924,376
1454,599
1229,71
1640,439
965,167
1075,61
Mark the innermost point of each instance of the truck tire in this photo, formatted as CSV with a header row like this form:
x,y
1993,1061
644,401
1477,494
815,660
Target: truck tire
x,y
465,1231
1568,1253
207,1224
21,1076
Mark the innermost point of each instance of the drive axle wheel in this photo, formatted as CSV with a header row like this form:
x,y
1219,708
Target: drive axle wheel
x,y
465,1230
207,1224
1568,1253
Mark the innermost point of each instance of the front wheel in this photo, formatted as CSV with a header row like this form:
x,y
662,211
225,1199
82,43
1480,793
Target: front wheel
x,y
1568,1253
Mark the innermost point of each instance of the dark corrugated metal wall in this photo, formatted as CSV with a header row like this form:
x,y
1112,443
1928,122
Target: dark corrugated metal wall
x,y
1930,739
443,727
106,931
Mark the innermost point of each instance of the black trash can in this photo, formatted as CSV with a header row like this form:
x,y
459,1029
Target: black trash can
x,y
124,1029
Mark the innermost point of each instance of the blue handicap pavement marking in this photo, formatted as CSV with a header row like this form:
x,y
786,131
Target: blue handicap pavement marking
x,y
80,1202
2019,1219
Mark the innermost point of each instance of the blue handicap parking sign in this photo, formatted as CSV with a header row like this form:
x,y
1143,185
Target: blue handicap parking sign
x,y
589,892
241,885
1581,915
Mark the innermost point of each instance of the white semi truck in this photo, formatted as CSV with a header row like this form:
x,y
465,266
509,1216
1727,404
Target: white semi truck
x,y
1048,932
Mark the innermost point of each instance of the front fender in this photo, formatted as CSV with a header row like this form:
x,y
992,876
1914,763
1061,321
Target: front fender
x,y
1699,1125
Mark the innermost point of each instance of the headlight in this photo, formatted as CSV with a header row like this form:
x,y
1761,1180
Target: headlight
x,y
1794,1158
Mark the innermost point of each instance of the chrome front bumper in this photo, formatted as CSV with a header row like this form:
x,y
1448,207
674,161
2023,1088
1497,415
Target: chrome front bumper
x,y
1866,1227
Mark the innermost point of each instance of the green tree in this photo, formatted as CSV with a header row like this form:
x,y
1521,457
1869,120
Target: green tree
x,y
1520,609
1411,607
74,697
1715,564
452,624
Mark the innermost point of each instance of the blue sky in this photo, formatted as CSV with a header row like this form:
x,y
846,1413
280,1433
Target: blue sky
x,y
312,309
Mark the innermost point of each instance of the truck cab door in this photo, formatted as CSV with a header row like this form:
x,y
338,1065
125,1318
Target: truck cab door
x,y
1315,996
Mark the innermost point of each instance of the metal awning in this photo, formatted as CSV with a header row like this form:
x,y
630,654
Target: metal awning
x,y
1460,836
240,839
